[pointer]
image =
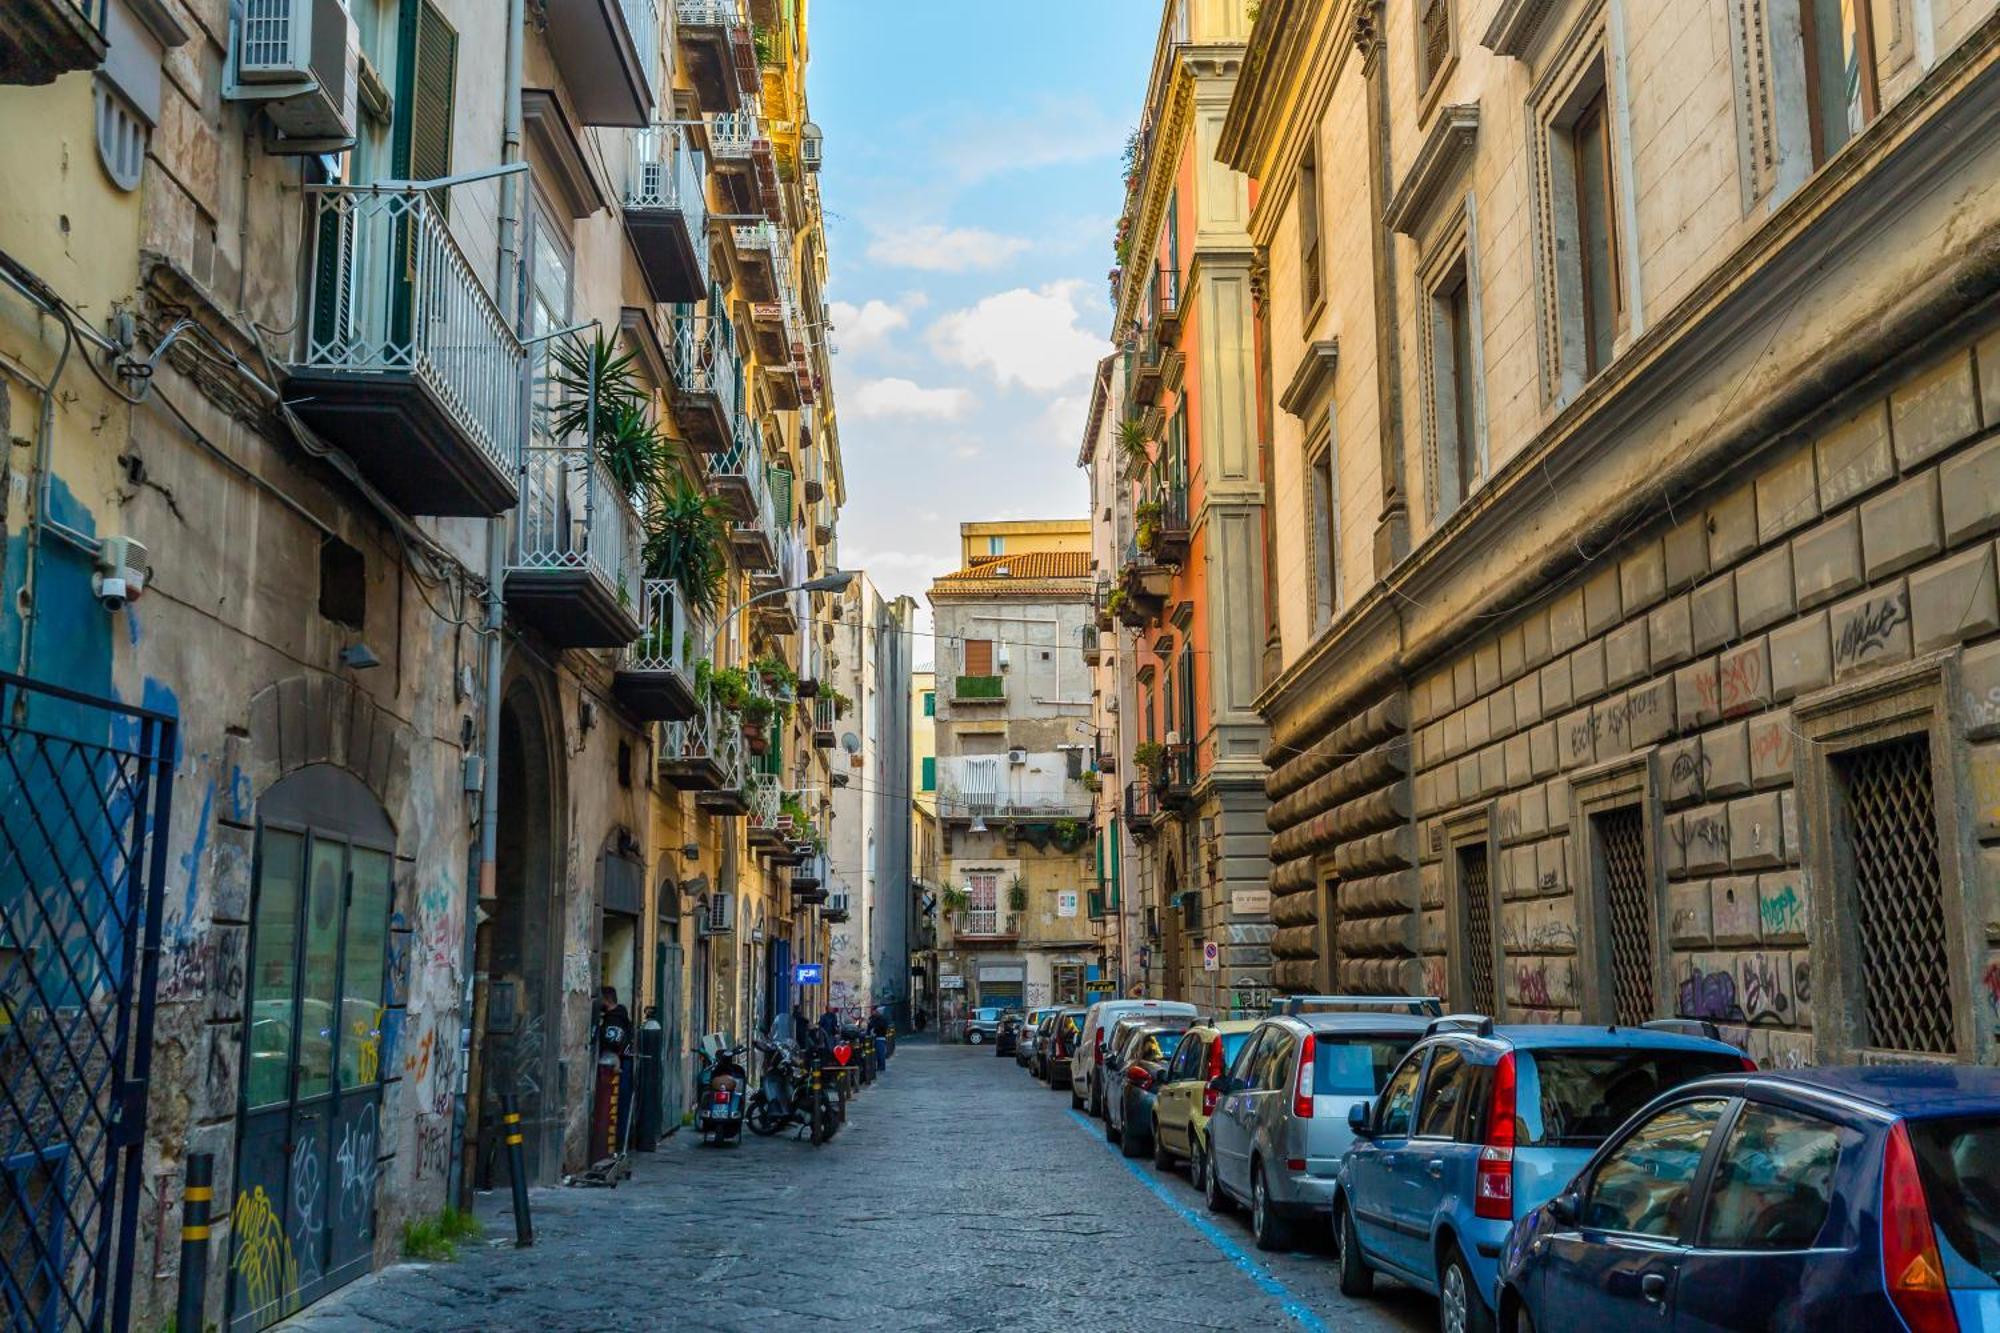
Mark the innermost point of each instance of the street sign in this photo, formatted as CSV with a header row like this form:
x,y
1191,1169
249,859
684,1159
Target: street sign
x,y
1211,956
951,981
808,974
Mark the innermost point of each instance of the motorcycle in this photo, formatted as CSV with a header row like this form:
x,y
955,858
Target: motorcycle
x,y
778,1101
720,1081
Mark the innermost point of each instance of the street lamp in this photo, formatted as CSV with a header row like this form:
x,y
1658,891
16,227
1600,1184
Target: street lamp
x,y
832,581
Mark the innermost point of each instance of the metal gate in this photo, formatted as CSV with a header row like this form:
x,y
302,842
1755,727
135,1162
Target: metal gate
x,y
1899,893
86,786
1628,914
1476,929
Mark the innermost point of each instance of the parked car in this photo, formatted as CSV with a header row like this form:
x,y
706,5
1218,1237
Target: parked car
x,y
1479,1125
1141,1058
983,1025
1024,1049
1182,1104
1052,1055
1009,1036
1086,1087
1423,1006
1816,1198
1279,1127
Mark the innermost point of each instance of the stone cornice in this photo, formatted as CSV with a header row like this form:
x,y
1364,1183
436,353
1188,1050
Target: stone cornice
x,y
1392,629
1516,24
1446,152
1313,377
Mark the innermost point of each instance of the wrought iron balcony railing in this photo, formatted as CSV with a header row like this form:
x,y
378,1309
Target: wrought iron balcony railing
x,y
733,135
708,380
576,565
655,677
666,211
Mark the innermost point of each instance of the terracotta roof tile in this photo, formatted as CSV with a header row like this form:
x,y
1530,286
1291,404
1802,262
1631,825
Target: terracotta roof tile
x,y
1026,565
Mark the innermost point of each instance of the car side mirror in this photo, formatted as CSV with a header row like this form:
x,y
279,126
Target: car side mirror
x,y
1565,1208
1220,1085
1361,1119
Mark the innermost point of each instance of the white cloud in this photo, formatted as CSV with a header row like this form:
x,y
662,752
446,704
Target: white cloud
x,y
896,397
1054,131
869,325
1062,420
936,249
1033,338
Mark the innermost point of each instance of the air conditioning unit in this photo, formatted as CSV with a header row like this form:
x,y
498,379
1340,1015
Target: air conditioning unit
x,y
301,59
812,147
1017,756
720,918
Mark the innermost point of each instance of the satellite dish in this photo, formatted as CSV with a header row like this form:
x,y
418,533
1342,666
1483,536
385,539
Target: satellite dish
x,y
851,743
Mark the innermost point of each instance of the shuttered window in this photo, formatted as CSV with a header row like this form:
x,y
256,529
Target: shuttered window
x,y
979,657
781,494
434,76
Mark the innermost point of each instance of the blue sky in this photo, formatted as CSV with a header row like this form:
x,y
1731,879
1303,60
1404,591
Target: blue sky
x,y
972,186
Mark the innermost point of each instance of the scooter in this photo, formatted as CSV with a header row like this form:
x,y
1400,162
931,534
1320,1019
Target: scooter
x,y
778,1101
720,1081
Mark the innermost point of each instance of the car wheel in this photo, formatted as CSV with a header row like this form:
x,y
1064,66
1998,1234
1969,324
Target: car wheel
x,y
1356,1277
1162,1159
1198,1167
1460,1307
1075,1102
1265,1224
975,1039
1212,1192
1111,1134
1129,1143
1522,1323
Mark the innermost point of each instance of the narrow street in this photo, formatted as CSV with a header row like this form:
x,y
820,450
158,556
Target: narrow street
x,y
961,1195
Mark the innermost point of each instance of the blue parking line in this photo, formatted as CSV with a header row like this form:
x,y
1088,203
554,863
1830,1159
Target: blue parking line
x,y
1300,1312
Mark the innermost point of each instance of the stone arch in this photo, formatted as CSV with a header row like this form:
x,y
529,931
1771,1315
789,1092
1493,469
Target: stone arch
x,y
316,719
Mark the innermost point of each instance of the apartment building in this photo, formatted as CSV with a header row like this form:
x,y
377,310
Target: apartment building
x,y
406,396
1630,372
1190,566
1014,742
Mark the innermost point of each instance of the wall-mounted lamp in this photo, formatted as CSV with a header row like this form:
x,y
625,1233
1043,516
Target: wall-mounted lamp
x,y
359,657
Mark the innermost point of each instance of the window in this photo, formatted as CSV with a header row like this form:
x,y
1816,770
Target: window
x,y
930,771
1642,1188
1311,284
1399,1099
1444,1095
1274,1061
983,896
1188,1060
1897,892
930,703
1433,41
1323,528
1840,71
343,583
1625,906
1955,1162
1583,1096
979,657
1596,232
1475,930
996,546
1774,1181
1356,1068
1454,386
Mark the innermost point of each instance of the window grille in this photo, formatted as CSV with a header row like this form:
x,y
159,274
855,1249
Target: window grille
x,y
1628,913
1476,928
1898,894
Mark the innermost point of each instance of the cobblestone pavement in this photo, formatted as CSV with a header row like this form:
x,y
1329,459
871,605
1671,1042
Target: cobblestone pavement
x,y
961,1195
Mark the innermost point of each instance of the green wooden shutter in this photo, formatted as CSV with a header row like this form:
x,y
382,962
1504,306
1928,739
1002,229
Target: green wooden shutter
x,y
781,493
435,77
930,773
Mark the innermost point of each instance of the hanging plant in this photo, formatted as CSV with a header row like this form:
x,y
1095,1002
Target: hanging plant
x,y
684,541
1017,894
776,672
954,899
1151,756
729,686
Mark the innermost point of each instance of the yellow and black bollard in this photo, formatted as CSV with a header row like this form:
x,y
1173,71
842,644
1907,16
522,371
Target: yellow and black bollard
x,y
517,1167
196,1200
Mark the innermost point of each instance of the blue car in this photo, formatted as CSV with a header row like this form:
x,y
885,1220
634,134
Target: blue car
x,y
1480,1124
1818,1198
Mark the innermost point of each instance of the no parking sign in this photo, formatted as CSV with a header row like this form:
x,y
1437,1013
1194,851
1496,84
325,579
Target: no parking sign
x,y
1211,956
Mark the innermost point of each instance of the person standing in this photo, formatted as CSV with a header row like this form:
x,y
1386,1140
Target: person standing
x,y
878,1028
613,1039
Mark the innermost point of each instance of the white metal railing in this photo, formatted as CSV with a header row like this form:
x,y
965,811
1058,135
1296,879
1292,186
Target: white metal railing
x,y
394,294
705,360
642,24
667,173
745,455
764,510
766,797
709,13
573,515
668,639
713,733
731,134
758,236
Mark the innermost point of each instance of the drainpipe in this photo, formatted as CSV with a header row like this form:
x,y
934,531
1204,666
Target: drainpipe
x,y
486,887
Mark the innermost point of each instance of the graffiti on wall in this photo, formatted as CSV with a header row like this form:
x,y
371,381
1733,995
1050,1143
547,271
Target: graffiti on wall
x,y
263,1252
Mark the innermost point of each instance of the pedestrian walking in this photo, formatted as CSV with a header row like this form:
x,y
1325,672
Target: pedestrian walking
x,y
878,1028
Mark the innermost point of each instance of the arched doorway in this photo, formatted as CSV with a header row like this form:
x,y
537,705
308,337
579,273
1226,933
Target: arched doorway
x,y
523,1012
304,1213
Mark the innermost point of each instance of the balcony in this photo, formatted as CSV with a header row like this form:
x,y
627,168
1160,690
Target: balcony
x,y
1024,787
1163,524
983,925
835,910
716,50
43,39
704,755
666,213
767,825
1166,304
744,163
575,572
825,716
979,690
409,366
655,677
736,475
756,537
760,251
1142,808
606,51
809,874
1147,368
1174,779
707,381
1093,642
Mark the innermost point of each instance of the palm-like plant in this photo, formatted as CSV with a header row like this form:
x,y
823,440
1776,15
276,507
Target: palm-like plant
x,y
684,543
624,436
1132,443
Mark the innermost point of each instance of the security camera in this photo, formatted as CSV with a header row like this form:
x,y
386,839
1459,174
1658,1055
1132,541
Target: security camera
x,y
121,572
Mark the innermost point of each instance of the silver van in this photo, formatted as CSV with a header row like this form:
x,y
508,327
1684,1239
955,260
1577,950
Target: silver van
x,y
1086,1062
1280,1127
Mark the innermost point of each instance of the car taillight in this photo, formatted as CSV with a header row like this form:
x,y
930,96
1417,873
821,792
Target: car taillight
x,y
1493,1180
1302,1087
1100,1046
1749,1065
1208,1094
1138,1077
1910,1261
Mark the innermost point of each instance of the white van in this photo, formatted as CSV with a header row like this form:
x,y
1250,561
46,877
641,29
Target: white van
x,y
1086,1063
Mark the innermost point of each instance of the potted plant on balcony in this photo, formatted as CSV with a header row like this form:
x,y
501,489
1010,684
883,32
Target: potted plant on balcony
x,y
778,677
1148,515
684,543
755,719
1071,834
728,686
1133,446
841,703
1017,894
1151,757
621,432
